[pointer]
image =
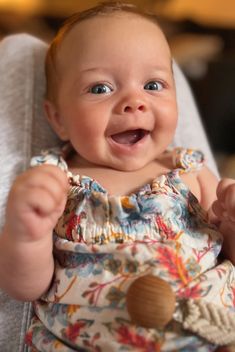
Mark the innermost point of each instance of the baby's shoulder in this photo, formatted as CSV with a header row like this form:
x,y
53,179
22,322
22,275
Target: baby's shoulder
x,y
191,166
202,183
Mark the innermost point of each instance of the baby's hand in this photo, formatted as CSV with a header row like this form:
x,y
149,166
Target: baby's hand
x,y
224,209
224,206
36,201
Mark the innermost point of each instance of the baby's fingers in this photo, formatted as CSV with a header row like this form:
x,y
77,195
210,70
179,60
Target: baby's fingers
x,y
40,189
226,198
50,184
218,210
42,201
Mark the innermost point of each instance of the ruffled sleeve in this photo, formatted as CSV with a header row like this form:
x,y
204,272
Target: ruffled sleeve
x,y
52,156
188,159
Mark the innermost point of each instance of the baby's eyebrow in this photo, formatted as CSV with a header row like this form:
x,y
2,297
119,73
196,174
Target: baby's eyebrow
x,y
93,69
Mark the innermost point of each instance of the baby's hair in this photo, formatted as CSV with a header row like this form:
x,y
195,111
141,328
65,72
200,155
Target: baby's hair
x,y
104,8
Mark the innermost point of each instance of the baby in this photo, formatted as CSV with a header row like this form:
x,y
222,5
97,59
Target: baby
x,y
119,202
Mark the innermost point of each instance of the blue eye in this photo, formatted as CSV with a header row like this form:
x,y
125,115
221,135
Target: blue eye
x,y
100,89
153,85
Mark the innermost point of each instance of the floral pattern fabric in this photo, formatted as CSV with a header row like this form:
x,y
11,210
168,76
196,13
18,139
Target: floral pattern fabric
x,y
102,243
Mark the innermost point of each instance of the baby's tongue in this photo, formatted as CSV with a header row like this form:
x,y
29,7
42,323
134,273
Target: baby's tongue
x,y
127,137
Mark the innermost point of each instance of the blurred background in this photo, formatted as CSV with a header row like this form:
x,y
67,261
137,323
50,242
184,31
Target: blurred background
x,y
202,38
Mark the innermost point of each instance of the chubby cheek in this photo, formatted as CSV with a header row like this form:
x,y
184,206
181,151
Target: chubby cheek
x,y
166,121
87,133
81,134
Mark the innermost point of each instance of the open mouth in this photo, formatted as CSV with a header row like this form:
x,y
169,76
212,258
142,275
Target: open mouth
x,y
130,137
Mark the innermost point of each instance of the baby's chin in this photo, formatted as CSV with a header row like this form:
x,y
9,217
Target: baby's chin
x,y
124,164
130,166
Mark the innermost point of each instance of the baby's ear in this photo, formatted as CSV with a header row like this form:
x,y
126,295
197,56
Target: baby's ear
x,y
54,118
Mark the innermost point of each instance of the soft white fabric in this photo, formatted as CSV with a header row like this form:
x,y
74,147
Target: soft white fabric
x,y
24,131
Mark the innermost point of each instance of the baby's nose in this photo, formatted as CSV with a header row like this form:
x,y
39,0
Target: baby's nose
x,y
130,107
132,103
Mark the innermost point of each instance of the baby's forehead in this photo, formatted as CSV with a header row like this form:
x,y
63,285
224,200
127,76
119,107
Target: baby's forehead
x,y
88,38
105,21
77,33
75,46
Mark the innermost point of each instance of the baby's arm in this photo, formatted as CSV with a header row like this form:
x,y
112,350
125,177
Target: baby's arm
x,y
35,203
219,199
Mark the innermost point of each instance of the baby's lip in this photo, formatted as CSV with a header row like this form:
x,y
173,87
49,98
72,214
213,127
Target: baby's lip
x,y
129,137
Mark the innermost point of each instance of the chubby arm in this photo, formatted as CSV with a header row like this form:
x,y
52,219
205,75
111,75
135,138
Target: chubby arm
x,y
219,199
208,183
35,203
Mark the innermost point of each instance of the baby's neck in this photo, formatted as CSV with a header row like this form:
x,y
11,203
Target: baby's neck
x,y
117,182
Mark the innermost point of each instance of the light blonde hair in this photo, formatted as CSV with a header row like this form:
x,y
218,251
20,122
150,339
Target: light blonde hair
x,y
104,8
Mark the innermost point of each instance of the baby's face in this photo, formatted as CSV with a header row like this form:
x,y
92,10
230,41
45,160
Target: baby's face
x,y
116,96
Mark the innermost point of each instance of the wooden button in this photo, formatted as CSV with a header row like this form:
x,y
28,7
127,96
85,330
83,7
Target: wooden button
x,y
150,302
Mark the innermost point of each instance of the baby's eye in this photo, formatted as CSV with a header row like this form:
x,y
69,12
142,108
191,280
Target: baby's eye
x,y
100,89
153,85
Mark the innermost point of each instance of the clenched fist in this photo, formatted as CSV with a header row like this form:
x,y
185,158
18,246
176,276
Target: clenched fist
x,y
36,201
224,209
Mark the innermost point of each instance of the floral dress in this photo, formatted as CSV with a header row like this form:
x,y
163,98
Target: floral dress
x,y
102,243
